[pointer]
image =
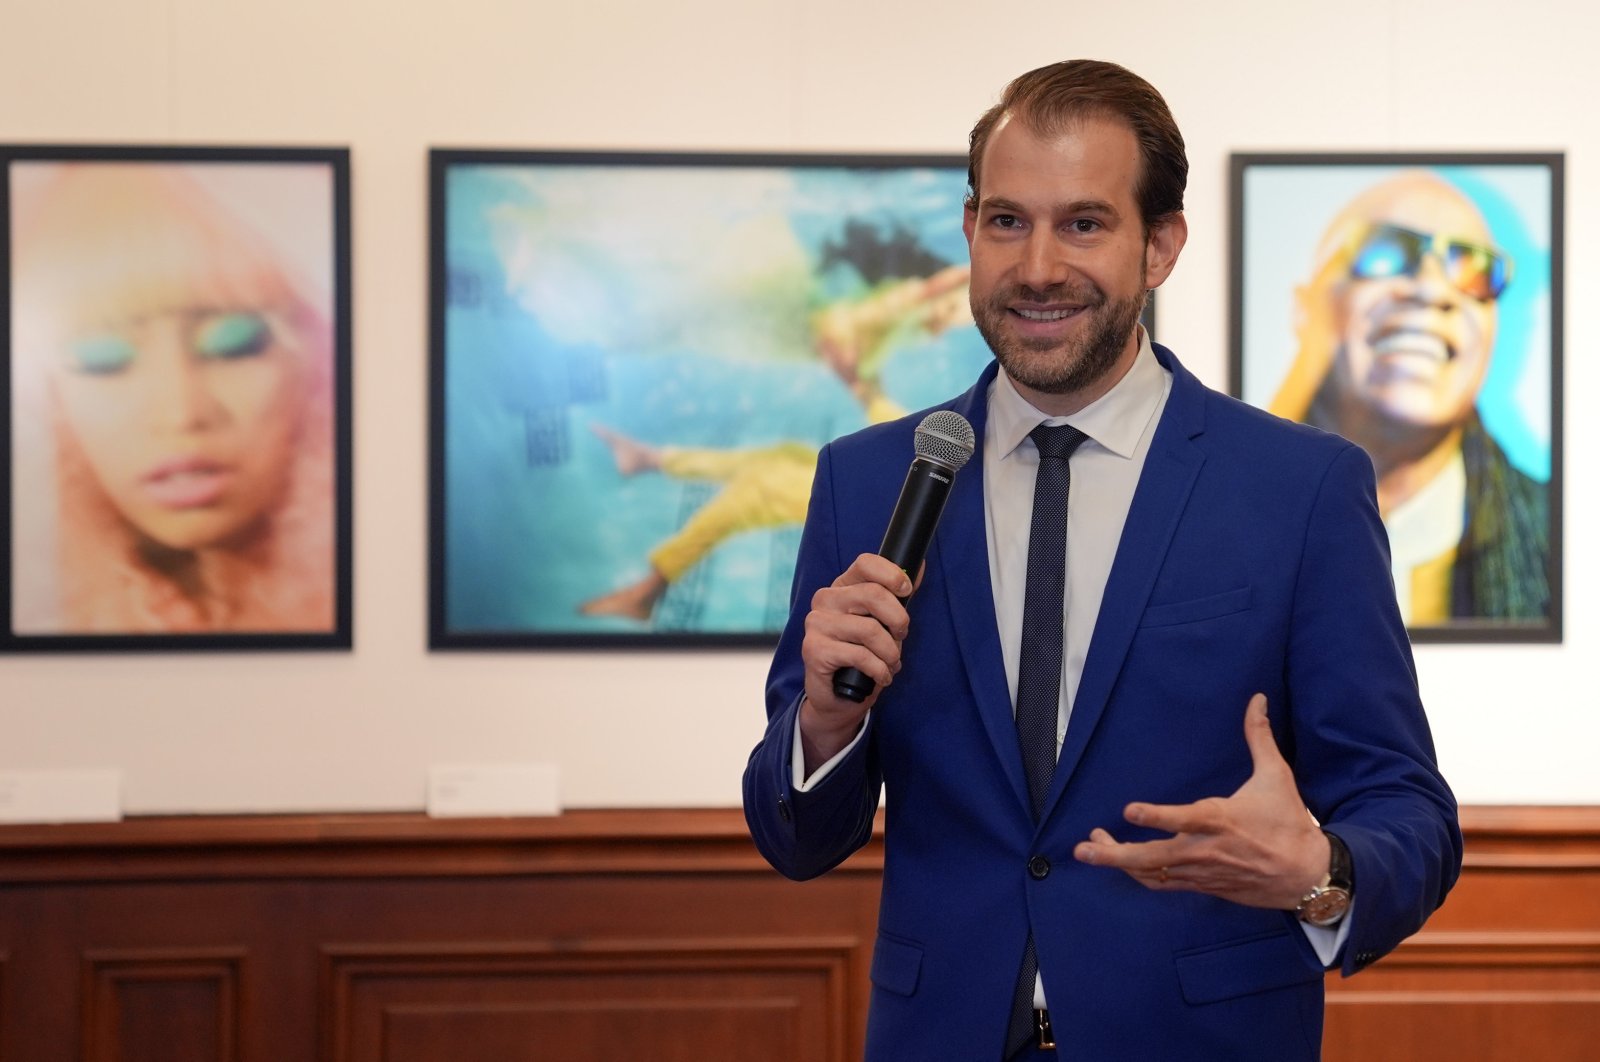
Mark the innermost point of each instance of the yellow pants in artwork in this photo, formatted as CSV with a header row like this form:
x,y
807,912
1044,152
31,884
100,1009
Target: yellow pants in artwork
x,y
763,487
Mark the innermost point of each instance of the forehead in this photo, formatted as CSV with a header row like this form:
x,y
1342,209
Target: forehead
x,y
1087,158
109,242
1424,203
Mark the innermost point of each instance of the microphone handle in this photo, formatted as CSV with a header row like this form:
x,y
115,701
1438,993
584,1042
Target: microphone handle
x,y
905,543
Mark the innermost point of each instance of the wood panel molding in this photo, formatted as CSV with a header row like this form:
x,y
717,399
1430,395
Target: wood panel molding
x,y
1443,949
582,999
161,1003
1532,838
1468,996
594,841
390,845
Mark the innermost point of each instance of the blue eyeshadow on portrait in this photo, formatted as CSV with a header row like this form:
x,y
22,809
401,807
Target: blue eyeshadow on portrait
x,y
103,354
232,335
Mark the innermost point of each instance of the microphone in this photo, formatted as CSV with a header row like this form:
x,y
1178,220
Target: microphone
x,y
944,442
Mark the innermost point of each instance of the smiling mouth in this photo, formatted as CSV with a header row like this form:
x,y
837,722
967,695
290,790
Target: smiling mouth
x,y
1046,315
1404,342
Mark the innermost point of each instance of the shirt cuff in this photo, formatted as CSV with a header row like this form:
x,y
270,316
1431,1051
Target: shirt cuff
x,y
797,758
1327,940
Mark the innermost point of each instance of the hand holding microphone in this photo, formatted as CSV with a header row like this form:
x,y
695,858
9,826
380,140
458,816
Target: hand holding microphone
x,y
944,442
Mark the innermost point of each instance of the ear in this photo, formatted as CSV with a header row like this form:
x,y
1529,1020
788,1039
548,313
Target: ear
x,y
969,222
1161,250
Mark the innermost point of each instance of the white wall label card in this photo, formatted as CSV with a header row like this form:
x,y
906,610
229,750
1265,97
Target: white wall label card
x,y
61,796
465,790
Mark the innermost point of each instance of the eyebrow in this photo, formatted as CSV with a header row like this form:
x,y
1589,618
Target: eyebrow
x,y
1076,206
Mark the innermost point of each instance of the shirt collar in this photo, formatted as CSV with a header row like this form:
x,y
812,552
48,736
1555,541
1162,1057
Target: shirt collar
x,y
1114,421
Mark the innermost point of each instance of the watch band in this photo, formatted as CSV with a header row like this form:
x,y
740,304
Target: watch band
x,y
1341,869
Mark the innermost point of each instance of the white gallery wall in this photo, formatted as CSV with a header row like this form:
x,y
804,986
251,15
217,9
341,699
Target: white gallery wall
x,y
359,730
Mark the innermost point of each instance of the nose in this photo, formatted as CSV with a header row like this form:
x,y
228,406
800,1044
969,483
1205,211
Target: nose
x,y
1044,261
177,395
1431,286
194,406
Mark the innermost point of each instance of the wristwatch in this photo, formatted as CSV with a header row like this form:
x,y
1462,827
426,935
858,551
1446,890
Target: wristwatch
x,y
1326,903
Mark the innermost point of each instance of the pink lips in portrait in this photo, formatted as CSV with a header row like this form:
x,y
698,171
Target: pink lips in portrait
x,y
187,482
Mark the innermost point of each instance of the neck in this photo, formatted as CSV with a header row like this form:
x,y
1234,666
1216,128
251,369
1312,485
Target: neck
x,y
1405,456
1402,475
216,583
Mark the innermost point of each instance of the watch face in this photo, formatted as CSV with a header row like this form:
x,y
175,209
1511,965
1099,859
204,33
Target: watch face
x,y
1325,906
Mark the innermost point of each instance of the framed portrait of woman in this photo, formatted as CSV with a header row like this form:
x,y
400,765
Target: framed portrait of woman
x,y
1412,302
177,356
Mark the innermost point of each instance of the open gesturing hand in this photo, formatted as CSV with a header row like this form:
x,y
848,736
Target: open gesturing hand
x,y
1258,847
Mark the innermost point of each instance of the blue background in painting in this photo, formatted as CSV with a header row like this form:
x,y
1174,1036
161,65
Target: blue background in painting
x,y
598,295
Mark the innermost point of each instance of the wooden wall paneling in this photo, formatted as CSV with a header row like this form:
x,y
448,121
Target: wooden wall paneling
x,y
163,1004
397,938
687,1000
581,919
1508,968
1484,995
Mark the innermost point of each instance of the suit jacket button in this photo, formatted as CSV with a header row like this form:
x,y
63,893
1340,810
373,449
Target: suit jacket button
x,y
1039,868
783,809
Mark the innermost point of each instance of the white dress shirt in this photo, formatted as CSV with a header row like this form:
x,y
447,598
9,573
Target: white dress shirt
x,y
1105,472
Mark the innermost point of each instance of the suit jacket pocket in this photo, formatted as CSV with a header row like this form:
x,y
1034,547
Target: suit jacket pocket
x,y
1200,608
896,964
1244,967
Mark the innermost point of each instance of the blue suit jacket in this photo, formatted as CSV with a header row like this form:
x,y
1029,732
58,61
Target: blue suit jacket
x,y
1253,559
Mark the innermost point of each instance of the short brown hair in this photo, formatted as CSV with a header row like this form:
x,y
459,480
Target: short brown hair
x,y
1052,97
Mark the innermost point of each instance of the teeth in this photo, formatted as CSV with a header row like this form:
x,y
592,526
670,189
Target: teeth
x,y
1413,343
1045,315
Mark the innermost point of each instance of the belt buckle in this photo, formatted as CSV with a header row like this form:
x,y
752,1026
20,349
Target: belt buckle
x,y
1041,1025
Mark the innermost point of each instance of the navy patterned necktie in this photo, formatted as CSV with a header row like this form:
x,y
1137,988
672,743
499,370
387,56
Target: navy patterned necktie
x,y
1039,666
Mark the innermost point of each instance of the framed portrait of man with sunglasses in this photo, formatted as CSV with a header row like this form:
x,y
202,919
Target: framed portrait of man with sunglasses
x,y
1412,303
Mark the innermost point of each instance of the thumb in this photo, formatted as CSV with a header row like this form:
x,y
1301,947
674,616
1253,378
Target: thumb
x,y
1264,751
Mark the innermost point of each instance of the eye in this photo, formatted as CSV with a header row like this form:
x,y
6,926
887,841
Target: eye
x,y
1084,226
1006,221
232,335
102,355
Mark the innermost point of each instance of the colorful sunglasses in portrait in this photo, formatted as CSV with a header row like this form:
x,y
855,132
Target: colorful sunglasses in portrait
x,y
1392,251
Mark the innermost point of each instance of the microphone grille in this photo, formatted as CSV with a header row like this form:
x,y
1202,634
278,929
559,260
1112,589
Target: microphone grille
x,y
945,436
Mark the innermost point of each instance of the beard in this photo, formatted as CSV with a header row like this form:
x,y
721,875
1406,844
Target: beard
x,y
1060,367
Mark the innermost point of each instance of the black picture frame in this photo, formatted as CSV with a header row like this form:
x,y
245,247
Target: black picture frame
x,y
1344,314
223,521
678,299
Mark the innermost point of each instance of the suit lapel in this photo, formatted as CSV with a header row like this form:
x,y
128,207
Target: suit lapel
x,y
961,548
1170,470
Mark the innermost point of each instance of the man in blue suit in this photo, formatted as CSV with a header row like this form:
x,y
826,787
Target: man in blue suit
x,y
1244,792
